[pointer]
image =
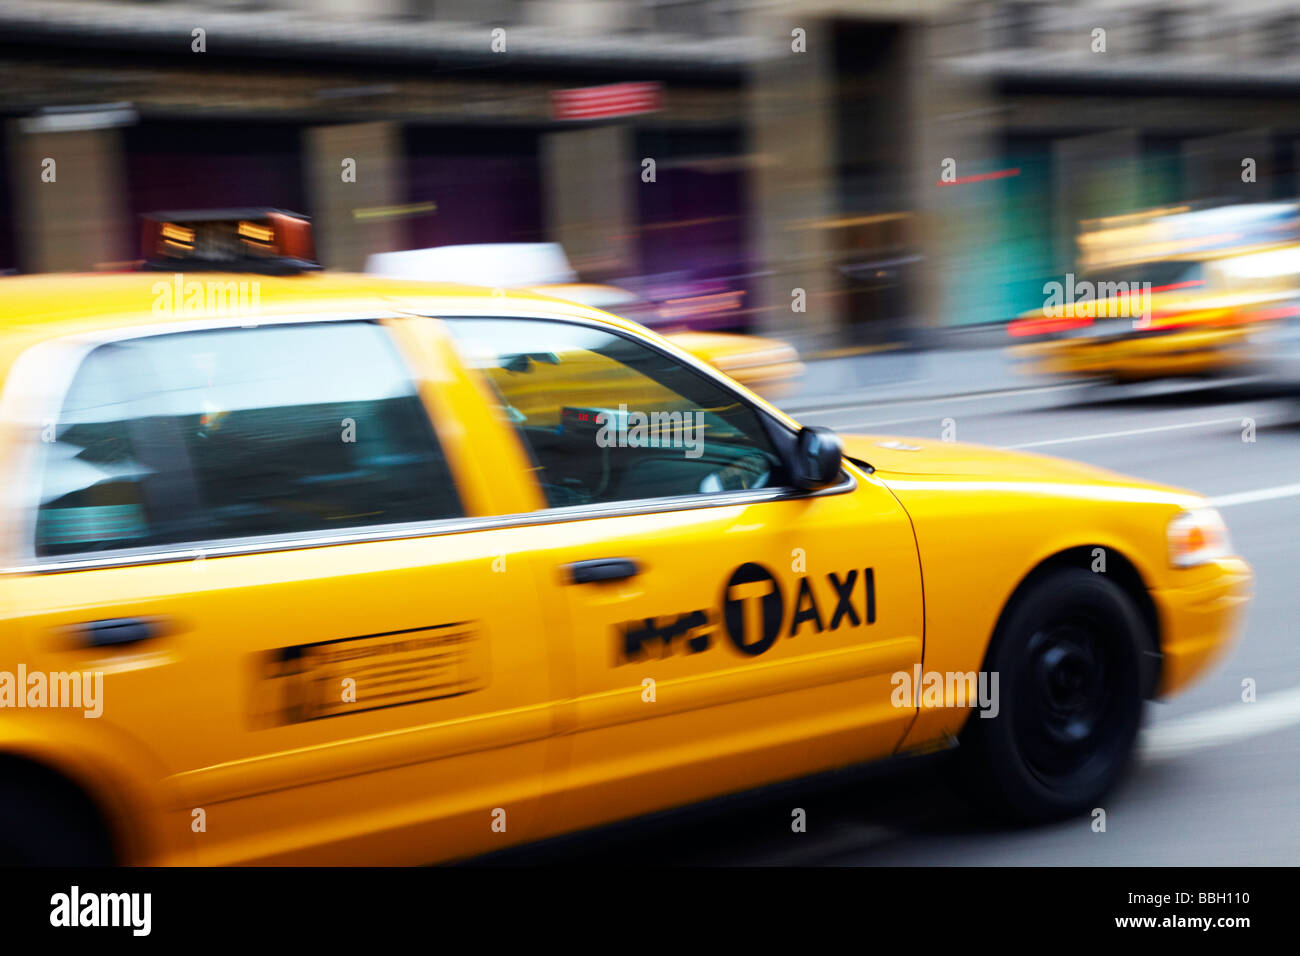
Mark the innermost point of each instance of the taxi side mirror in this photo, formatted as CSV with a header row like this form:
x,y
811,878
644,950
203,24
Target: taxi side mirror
x,y
818,458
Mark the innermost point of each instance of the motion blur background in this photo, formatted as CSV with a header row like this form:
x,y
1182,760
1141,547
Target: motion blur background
x,y
917,170
797,144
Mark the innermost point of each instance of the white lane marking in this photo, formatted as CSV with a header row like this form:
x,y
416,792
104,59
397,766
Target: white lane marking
x,y
1128,431
1259,494
1222,725
797,407
794,408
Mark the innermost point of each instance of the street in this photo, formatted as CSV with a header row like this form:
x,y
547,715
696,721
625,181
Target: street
x,y
1215,779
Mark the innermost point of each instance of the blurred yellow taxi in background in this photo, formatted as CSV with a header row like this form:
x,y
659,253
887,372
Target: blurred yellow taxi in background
x,y
769,366
1170,291
1198,315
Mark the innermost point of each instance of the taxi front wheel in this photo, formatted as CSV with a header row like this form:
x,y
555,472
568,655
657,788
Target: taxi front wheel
x,y
45,822
1068,658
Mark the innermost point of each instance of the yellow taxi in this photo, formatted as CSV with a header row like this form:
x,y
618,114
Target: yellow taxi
x,y
306,568
1194,315
768,366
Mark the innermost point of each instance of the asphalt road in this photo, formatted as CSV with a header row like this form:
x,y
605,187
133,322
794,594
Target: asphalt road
x,y
1217,781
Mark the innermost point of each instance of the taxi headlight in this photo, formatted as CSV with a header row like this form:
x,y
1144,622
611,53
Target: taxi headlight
x,y
1197,537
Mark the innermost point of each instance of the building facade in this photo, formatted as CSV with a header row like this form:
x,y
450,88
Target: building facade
x,y
864,170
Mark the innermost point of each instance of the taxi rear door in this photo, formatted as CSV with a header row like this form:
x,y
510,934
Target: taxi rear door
x,y
725,629
311,651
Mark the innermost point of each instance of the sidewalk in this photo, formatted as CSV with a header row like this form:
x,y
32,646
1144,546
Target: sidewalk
x,y
907,375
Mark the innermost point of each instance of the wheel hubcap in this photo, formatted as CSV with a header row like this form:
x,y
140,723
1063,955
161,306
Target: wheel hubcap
x,y
1070,703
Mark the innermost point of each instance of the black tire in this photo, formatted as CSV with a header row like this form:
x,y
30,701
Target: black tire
x,y
1068,655
45,822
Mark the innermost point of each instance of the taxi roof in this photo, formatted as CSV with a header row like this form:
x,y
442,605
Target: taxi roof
x,y
108,300
38,308
52,305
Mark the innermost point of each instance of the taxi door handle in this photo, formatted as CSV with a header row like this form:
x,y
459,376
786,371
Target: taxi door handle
x,y
602,569
119,630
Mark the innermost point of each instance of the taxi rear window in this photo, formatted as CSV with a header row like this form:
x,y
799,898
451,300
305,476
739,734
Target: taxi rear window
x,y
219,434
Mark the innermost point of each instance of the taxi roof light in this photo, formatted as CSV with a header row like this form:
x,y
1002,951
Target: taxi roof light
x,y
272,241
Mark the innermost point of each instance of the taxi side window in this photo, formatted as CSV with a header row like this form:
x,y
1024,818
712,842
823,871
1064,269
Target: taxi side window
x,y
229,433
609,419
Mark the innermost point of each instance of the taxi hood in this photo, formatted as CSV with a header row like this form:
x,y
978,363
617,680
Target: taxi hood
x,y
898,455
